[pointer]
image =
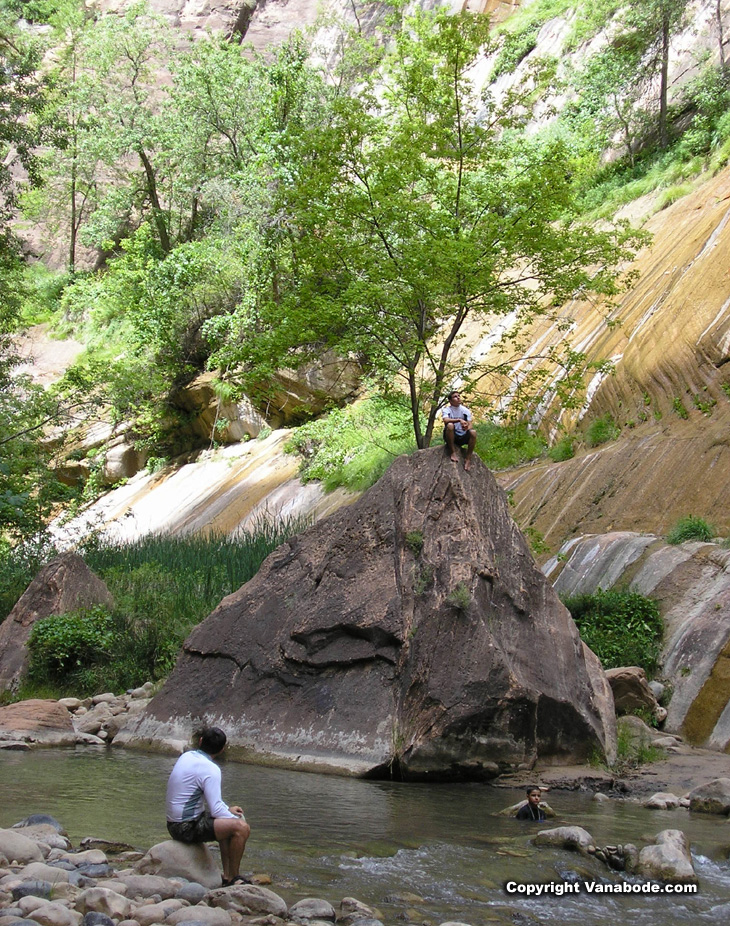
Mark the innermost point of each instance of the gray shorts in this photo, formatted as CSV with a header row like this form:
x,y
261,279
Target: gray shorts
x,y
200,829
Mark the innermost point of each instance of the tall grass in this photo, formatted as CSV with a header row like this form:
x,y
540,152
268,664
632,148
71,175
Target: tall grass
x,y
162,587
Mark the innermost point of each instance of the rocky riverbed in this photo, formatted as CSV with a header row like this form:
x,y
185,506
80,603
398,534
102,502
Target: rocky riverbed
x,y
44,881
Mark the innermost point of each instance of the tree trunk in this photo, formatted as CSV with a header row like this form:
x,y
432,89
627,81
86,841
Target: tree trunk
x,y
664,89
157,210
720,36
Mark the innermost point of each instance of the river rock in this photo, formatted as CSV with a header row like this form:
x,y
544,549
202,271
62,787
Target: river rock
x,y
147,885
206,916
66,584
39,871
566,837
31,889
46,835
98,919
713,797
102,900
311,908
147,914
15,846
662,801
86,857
40,819
411,631
631,692
352,909
172,858
668,860
248,898
191,892
56,914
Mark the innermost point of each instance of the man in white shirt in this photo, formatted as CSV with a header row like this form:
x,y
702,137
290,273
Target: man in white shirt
x,y
196,811
458,430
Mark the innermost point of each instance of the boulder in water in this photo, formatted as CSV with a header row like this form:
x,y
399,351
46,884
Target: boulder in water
x,y
410,634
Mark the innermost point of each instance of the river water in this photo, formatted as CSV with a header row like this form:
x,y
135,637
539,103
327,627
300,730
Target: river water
x,y
418,853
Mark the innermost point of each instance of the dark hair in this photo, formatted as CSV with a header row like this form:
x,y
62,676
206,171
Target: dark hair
x,y
452,393
532,788
212,740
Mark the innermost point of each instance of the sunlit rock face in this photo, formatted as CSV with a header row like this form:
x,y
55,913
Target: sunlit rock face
x,y
691,583
223,491
410,634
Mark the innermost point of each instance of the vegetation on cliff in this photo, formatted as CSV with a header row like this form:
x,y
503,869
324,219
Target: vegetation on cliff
x,y
247,213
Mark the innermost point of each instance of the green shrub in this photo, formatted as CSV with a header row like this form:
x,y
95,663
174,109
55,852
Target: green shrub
x,y
622,628
563,449
500,447
602,430
61,644
691,528
354,446
460,597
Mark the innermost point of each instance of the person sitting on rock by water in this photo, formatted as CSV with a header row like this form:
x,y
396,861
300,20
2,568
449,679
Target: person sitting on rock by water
x,y
531,810
195,810
458,430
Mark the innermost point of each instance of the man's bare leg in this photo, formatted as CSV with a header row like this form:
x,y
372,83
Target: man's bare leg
x,y
231,833
470,448
449,435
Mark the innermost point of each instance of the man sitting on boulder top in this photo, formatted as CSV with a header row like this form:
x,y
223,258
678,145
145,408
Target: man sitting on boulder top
x,y
532,810
195,782
458,429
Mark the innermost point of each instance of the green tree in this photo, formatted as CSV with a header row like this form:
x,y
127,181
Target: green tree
x,y
416,205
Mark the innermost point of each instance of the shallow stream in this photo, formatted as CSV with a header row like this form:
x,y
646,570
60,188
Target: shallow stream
x,y
415,852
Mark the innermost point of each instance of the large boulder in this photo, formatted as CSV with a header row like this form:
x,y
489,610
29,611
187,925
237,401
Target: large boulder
x,y
66,584
37,721
409,634
713,797
668,860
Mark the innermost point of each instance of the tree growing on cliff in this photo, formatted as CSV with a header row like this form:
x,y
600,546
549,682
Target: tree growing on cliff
x,y
416,205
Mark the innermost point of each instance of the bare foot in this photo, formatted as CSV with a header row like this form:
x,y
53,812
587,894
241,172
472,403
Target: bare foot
x,y
467,465
454,458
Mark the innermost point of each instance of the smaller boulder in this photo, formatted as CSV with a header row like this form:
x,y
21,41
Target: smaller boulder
x,y
248,899
13,845
574,838
205,916
148,914
662,800
668,860
147,885
102,900
311,908
631,693
171,858
713,797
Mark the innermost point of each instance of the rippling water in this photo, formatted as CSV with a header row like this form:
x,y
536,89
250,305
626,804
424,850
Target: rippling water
x,y
319,835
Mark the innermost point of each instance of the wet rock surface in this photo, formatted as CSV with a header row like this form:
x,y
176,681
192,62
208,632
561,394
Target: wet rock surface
x,y
411,631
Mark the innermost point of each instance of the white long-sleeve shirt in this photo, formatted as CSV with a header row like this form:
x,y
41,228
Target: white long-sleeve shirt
x,y
194,782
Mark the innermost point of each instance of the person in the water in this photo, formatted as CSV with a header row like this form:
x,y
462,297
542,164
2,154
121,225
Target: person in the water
x,y
196,811
531,810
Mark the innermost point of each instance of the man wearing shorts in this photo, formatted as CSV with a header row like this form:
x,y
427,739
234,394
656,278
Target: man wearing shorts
x,y
458,430
195,810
